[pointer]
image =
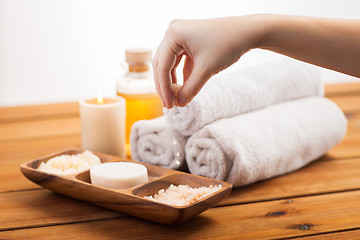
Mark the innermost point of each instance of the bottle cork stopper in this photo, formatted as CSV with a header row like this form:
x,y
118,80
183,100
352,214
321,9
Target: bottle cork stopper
x,y
138,55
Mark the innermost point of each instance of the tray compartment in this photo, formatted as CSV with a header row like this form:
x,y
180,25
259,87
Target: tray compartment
x,y
71,151
176,179
85,176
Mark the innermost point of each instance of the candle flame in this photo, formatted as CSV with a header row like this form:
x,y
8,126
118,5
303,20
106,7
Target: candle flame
x,y
100,99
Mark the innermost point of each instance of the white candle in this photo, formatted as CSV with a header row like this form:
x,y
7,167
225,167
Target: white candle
x,y
103,125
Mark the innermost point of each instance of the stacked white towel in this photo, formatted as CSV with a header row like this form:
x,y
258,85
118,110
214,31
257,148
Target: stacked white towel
x,y
244,91
266,143
156,142
245,126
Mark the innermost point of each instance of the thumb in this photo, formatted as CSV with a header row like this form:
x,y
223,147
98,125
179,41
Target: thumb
x,y
192,86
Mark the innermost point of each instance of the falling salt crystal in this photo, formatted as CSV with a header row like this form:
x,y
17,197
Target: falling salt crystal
x,y
175,142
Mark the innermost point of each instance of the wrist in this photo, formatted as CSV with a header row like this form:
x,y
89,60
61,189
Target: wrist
x,y
264,27
281,33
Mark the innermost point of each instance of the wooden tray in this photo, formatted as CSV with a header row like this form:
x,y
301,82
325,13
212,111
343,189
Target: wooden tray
x,y
129,201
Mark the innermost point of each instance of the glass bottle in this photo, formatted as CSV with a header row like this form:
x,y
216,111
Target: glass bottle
x,y
138,88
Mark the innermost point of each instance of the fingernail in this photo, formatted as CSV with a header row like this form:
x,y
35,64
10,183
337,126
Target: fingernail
x,y
170,106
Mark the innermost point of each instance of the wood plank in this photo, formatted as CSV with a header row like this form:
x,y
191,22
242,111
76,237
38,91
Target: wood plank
x,y
316,178
71,109
352,234
65,126
347,148
29,149
263,220
341,173
319,177
342,89
71,126
39,128
12,154
349,104
21,151
25,113
43,207
350,145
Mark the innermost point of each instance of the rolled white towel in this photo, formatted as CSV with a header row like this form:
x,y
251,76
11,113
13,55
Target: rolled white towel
x,y
266,143
155,142
246,90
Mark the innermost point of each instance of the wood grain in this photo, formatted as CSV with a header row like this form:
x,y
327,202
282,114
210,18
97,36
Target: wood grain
x,y
316,178
342,89
319,177
25,150
349,104
46,111
39,129
348,148
71,109
325,194
13,153
348,235
263,220
43,207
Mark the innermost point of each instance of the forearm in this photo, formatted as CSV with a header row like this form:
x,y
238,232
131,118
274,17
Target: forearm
x,y
329,43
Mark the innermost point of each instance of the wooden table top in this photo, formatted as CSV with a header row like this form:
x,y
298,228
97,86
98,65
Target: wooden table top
x,y
319,201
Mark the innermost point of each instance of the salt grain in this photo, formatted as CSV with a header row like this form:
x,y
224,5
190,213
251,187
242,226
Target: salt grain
x,y
182,195
70,164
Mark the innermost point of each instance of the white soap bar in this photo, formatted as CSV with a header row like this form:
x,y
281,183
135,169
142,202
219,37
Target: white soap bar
x,y
118,175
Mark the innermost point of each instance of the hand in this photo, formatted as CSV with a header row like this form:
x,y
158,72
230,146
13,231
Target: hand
x,y
212,45
209,46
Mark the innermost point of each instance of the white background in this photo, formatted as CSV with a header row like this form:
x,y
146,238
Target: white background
x,y
56,51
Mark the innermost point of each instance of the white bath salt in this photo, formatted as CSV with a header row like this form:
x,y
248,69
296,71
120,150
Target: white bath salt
x,y
182,195
70,164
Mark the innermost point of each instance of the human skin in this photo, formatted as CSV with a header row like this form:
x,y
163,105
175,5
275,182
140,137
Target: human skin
x,y
211,45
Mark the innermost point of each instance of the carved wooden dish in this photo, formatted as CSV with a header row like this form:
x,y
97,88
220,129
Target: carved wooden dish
x,y
129,201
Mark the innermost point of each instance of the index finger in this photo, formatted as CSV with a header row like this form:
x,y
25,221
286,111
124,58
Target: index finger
x,y
157,87
166,63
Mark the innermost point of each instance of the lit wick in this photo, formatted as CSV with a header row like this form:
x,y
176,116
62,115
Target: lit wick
x,y
100,99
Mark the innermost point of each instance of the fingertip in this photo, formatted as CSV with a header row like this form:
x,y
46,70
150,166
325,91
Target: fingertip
x,y
192,86
170,103
182,102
